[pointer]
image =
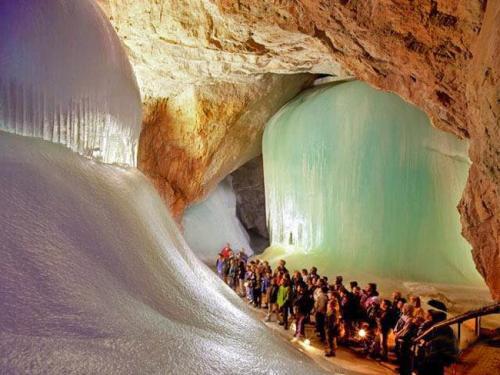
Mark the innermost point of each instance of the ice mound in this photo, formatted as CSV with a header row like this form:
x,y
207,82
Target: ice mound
x,y
210,224
95,278
65,77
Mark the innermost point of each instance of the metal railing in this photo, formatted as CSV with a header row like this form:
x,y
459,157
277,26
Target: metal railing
x,y
459,319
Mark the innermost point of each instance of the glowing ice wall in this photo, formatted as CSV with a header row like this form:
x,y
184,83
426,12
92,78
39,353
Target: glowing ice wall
x,y
359,179
210,224
64,77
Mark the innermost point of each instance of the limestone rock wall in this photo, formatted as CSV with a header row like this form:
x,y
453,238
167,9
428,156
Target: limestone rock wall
x,y
480,205
202,64
191,141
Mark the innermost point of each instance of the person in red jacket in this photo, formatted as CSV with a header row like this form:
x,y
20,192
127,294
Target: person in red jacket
x,y
226,251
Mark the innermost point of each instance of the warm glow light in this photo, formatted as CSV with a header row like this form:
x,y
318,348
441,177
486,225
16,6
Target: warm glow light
x,y
362,333
307,342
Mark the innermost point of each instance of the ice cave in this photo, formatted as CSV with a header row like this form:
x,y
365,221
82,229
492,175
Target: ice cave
x,y
137,139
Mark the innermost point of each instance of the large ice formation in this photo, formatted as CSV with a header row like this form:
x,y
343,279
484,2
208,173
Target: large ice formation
x,y
95,278
94,275
359,181
65,77
210,224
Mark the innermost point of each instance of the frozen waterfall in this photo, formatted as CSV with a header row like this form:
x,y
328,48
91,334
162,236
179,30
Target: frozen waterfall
x,y
65,77
210,224
359,181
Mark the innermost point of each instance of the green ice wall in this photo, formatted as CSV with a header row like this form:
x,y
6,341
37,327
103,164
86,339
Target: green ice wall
x,y
359,178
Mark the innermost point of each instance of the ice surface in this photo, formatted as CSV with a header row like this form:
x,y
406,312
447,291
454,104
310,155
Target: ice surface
x,y
95,278
359,181
64,77
210,224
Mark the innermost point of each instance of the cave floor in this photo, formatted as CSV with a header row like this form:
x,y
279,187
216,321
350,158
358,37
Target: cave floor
x,y
478,359
346,361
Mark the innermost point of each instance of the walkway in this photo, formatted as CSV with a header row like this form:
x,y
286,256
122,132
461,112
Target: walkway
x,y
346,361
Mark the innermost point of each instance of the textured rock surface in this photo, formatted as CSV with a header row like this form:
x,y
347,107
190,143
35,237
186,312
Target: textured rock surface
x,y
480,205
438,54
248,185
176,43
192,140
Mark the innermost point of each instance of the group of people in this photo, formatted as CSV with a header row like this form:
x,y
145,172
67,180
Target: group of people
x,y
342,315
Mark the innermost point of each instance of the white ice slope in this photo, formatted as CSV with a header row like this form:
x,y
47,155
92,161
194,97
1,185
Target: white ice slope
x,y
95,278
210,224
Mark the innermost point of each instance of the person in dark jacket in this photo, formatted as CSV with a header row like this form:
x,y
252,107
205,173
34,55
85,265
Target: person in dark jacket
x,y
437,350
272,305
385,322
347,312
257,289
353,284
227,268
301,307
241,277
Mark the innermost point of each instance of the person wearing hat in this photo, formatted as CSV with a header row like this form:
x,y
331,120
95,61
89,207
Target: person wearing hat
x,y
439,348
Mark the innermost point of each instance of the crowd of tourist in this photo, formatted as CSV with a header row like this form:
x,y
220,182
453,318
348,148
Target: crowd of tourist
x,y
342,314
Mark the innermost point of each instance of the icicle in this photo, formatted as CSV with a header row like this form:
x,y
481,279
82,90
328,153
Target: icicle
x,y
65,77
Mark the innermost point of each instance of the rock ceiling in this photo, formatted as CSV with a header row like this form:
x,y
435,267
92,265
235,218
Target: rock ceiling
x,y
213,71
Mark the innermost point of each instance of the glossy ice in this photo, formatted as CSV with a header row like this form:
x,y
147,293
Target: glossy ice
x,y
95,278
359,181
210,224
64,77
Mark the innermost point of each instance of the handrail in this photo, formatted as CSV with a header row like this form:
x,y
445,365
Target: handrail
x,y
486,310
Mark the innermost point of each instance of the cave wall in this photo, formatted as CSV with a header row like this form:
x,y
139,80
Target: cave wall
x,y
437,54
248,186
191,141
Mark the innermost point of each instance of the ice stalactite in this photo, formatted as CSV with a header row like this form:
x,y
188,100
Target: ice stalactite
x,y
210,224
65,77
360,181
